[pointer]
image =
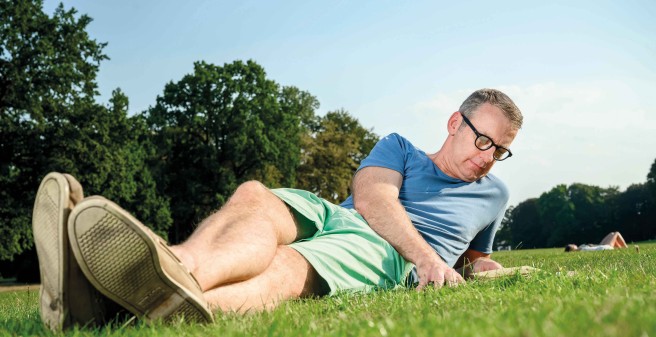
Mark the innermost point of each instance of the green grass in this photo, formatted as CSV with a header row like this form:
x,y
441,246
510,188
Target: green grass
x,y
613,293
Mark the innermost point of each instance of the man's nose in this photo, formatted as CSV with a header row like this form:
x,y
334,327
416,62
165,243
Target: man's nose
x,y
488,155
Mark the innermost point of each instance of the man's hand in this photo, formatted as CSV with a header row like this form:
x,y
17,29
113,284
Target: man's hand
x,y
485,264
479,265
376,197
434,271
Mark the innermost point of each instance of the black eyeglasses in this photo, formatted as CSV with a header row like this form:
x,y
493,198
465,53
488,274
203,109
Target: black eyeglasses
x,y
484,142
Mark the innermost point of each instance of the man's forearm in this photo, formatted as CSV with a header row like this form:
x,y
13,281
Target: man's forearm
x,y
376,197
389,219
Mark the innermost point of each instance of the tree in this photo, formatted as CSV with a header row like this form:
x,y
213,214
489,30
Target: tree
x,y
47,67
592,212
557,216
109,152
503,236
525,225
221,126
332,152
49,121
634,213
582,213
651,179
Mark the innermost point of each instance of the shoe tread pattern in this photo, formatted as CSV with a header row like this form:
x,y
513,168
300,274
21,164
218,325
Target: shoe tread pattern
x,y
130,267
49,241
189,312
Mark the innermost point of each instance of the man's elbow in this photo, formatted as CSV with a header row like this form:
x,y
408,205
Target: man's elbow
x,y
361,205
369,206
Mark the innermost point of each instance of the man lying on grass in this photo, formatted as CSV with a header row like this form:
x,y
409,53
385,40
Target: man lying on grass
x,y
411,219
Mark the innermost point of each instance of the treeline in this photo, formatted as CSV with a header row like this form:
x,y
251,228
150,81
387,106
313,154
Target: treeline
x,y
581,213
170,165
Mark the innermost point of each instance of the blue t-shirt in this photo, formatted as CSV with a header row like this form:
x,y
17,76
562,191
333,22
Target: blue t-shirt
x,y
450,214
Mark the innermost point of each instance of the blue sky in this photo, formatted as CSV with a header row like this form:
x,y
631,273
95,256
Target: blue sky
x,y
583,73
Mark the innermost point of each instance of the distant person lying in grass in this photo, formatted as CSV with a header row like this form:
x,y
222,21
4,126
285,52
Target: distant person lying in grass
x,y
611,241
412,218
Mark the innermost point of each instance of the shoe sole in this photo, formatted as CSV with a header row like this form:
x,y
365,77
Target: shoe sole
x,y
122,261
54,200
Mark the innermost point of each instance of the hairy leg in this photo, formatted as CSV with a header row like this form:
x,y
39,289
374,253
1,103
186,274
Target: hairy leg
x,y
239,241
289,276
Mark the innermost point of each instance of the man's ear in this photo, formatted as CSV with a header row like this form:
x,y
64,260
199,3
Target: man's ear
x,y
454,123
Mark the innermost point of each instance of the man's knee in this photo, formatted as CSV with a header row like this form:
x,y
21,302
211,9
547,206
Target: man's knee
x,y
249,191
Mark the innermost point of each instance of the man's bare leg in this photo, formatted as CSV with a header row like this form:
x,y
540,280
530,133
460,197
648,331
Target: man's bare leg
x,y
239,241
614,239
289,276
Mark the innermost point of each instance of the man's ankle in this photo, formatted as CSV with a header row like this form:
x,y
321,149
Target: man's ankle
x,y
187,259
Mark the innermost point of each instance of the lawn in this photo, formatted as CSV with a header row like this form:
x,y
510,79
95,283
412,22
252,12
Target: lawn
x,y
612,293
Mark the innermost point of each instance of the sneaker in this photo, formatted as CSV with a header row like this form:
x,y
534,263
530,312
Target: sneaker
x,y
66,297
133,266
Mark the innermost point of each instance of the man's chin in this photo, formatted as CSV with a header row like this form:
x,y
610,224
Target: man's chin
x,y
472,177
475,173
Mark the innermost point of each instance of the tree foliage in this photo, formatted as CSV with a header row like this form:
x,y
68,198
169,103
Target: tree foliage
x,y
219,127
525,228
592,212
581,213
332,152
49,121
556,212
47,69
635,212
651,180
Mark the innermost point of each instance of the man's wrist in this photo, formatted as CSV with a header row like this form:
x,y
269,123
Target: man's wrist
x,y
429,259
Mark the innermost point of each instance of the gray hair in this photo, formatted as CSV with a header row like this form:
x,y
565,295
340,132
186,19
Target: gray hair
x,y
496,98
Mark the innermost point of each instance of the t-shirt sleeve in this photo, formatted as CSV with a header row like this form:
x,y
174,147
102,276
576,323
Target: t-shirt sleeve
x,y
390,152
484,240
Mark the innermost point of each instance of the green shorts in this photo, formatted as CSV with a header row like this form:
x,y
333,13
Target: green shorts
x,y
344,250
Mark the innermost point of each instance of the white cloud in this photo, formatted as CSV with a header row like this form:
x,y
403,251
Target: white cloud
x,y
593,105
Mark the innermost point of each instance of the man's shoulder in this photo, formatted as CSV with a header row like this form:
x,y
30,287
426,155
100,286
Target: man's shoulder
x,y
492,179
399,143
395,137
494,183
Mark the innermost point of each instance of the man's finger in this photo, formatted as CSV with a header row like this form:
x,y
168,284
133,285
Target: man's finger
x,y
453,279
455,282
423,282
438,282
